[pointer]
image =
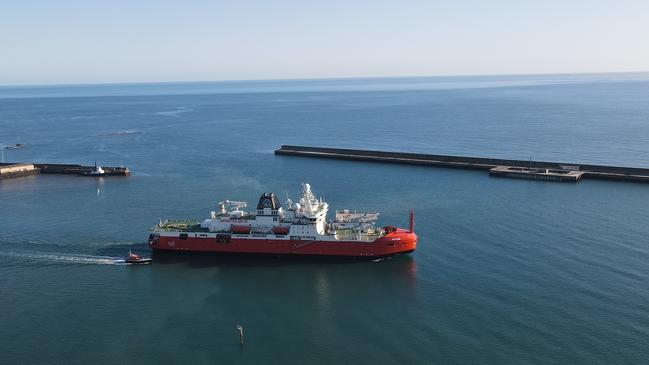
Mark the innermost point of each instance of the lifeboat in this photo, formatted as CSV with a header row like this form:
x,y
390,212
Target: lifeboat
x,y
280,230
240,229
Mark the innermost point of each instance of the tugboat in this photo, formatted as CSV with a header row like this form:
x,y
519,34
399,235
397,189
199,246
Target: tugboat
x,y
299,228
134,258
98,171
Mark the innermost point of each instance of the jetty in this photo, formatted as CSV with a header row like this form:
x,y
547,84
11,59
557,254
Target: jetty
x,y
11,170
536,170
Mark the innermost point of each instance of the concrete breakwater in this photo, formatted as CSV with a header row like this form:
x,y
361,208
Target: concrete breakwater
x,y
603,172
9,170
47,168
17,170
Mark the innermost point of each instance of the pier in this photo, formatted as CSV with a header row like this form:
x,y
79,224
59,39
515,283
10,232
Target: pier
x,y
49,168
11,170
537,170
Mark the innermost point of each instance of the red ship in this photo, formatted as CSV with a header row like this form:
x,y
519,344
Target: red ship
x,y
293,229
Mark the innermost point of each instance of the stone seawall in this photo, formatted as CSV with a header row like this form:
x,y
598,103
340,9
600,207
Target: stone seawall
x,y
604,172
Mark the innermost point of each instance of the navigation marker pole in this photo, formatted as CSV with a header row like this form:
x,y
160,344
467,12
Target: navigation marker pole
x,y
412,221
240,334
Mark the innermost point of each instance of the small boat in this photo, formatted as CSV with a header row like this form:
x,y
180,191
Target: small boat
x,y
134,258
98,171
15,147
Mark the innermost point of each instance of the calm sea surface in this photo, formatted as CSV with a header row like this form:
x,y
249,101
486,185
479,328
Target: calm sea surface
x,y
506,271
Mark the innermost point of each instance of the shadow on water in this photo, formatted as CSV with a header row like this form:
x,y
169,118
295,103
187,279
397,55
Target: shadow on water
x,y
204,260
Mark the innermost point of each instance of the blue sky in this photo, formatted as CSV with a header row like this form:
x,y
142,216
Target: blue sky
x,y
74,41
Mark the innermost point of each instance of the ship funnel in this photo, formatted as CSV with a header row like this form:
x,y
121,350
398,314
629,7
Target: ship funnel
x,y
412,221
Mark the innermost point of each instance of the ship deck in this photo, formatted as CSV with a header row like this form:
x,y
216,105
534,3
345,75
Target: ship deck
x,y
194,226
180,225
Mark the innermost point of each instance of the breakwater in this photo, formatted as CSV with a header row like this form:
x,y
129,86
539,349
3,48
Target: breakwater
x,y
602,172
47,168
10,170
17,170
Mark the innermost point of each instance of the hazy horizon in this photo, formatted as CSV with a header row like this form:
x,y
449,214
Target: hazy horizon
x,y
395,77
76,42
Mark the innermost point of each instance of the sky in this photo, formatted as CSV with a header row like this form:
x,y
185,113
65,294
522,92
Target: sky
x,y
86,41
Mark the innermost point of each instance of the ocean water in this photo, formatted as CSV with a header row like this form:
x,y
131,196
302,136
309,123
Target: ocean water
x,y
506,271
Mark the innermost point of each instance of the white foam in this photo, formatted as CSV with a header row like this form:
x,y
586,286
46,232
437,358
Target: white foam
x,y
65,258
174,113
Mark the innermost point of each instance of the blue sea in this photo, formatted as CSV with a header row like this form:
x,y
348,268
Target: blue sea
x,y
506,271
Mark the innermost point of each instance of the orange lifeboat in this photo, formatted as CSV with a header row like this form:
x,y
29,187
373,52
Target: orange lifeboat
x,y
280,230
240,229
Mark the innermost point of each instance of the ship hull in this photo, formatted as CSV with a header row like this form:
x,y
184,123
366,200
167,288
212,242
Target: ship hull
x,y
399,242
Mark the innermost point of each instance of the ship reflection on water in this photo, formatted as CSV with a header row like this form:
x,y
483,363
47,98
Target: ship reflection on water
x,y
405,264
326,276
365,282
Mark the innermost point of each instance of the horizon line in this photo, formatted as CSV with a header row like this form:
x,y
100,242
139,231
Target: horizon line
x,y
107,83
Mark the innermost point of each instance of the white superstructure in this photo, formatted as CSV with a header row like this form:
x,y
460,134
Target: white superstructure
x,y
306,219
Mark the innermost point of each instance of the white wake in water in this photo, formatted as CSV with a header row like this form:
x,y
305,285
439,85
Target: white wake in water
x,y
174,113
66,258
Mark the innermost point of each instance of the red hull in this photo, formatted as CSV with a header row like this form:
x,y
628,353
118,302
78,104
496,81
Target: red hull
x,y
398,242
